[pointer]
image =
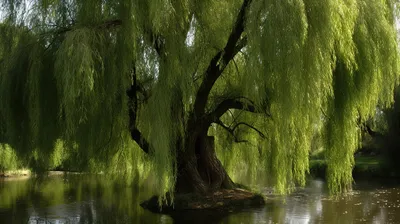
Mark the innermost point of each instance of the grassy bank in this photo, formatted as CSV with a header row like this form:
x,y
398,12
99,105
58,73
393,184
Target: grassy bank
x,y
365,167
12,174
15,173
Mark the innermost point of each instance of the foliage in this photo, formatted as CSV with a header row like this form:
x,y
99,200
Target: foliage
x,y
8,159
65,67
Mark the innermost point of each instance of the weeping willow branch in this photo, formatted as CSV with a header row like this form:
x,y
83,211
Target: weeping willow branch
x,y
104,25
136,87
250,126
157,40
324,113
236,66
230,131
219,62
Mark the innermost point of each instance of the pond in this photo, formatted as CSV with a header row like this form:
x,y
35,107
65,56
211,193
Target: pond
x,y
93,199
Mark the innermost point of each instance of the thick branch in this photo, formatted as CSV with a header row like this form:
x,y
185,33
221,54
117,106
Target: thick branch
x,y
133,108
232,104
140,140
220,60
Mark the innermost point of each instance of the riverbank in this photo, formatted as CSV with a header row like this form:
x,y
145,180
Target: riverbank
x,y
365,167
15,173
25,173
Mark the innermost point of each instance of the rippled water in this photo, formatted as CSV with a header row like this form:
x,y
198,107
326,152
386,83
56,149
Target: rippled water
x,y
92,199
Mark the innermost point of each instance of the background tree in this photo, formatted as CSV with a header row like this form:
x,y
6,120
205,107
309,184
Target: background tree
x,y
392,135
384,132
97,74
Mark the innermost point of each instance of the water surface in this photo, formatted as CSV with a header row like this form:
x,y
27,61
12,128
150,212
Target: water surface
x,y
93,199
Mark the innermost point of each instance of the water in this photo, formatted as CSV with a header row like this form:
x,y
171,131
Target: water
x,y
93,199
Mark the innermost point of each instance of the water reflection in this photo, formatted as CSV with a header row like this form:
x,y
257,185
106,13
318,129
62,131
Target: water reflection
x,y
73,199
368,203
93,199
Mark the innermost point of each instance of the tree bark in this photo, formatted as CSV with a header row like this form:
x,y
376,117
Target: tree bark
x,y
201,172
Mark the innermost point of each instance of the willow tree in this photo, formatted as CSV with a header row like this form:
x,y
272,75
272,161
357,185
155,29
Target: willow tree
x,y
257,75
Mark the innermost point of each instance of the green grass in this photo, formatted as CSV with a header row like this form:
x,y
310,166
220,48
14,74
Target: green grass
x,y
368,161
365,166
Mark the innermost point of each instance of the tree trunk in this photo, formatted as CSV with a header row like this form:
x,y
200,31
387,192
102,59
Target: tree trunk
x,y
199,170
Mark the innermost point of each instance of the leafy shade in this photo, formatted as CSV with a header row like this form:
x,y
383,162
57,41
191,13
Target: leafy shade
x,y
65,67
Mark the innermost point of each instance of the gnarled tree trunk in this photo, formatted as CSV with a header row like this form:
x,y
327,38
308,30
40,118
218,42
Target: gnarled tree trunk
x,y
199,170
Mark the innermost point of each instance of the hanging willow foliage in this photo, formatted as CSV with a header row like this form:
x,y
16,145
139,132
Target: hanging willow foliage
x,y
66,67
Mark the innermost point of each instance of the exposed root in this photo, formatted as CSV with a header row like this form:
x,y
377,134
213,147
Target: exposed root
x,y
224,200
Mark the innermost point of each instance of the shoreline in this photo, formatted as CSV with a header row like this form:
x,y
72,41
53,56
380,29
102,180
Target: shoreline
x,y
219,202
23,174
365,167
15,173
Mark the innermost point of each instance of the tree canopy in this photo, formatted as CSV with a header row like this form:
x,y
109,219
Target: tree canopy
x,y
95,75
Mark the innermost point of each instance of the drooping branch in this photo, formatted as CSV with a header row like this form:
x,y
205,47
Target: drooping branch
x,y
324,114
250,126
157,40
59,31
220,61
101,26
230,131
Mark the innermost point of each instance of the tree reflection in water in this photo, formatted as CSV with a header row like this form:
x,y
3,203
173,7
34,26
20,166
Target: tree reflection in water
x,y
95,199
74,199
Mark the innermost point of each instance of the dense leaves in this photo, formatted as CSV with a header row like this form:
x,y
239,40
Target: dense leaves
x,y
277,71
